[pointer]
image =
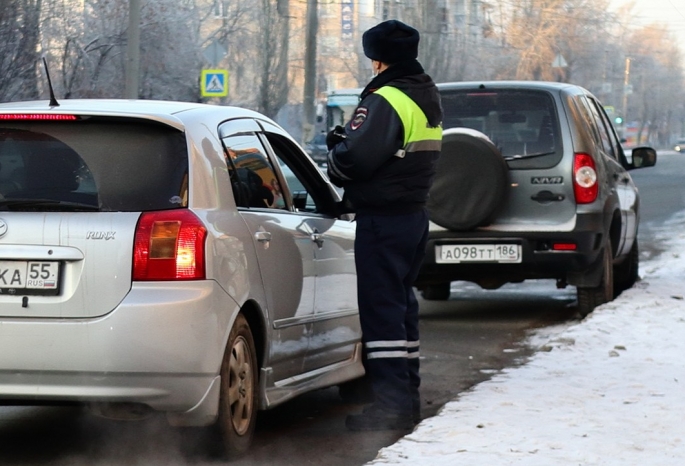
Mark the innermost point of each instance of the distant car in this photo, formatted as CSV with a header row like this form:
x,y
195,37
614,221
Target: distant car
x,y
679,145
317,149
532,183
169,256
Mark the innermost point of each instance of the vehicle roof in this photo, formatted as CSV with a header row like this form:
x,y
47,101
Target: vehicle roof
x,y
539,85
174,113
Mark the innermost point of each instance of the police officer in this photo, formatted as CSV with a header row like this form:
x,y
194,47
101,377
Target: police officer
x,y
384,158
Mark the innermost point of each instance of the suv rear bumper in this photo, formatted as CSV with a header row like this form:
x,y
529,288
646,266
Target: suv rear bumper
x,y
162,347
538,261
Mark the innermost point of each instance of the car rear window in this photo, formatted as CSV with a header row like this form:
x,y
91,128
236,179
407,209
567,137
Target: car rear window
x,y
521,123
109,164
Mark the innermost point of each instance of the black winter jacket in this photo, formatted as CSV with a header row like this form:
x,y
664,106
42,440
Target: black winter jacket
x,y
364,163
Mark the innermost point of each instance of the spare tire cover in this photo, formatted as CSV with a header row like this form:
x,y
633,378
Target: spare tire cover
x,y
470,182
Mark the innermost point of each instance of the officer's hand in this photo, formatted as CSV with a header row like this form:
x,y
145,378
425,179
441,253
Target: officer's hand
x,y
335,136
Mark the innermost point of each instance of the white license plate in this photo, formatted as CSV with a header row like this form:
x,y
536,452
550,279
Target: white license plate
x,y
456,253
34,275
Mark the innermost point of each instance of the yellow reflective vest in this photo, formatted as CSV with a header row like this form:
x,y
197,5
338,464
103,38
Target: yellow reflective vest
x,y
419,135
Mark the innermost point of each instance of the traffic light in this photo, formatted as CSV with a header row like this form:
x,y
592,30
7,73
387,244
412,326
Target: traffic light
x,y
618,120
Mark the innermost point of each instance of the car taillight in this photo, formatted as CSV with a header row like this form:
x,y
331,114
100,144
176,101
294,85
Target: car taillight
x,y
585,185
169,245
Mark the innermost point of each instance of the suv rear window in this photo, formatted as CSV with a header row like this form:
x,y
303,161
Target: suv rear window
x,y
522,124
101,164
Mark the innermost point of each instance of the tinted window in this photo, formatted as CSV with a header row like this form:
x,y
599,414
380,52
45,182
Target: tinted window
x,y
604,138
253,178
613,140
518,122
114,165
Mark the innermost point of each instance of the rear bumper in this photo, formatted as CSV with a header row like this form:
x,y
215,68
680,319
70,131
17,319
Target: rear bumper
x,y
539,260
162,346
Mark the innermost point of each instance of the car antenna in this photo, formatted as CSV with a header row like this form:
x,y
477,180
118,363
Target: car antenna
x,y
53,101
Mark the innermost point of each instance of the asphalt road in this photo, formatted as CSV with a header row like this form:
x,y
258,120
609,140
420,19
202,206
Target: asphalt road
x,y
464,341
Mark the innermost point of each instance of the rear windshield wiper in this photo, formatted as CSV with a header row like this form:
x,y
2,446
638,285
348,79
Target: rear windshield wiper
x,y
63,205
527,156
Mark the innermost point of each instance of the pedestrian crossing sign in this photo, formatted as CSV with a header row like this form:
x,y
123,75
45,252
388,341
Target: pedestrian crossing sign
x,y
214,83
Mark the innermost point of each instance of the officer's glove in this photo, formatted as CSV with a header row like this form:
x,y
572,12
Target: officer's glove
x,y
335,136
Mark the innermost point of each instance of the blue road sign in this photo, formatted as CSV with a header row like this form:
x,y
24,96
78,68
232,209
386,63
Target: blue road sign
x,y
214,83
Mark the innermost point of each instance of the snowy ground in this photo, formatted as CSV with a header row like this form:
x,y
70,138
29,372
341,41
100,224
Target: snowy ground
x,y
608,390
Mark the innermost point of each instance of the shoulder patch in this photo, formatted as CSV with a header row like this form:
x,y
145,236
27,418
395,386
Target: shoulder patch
x,y
359,118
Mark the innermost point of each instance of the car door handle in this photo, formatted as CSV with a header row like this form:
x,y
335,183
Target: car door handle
x,y
263,236
547,196
317,238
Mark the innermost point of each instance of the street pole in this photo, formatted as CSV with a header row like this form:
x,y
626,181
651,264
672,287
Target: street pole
x,y
133,50
310,71
626,83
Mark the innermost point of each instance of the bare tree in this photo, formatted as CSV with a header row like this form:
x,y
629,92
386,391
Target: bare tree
x,y
272,39
171,53
544,31
19,45
656,79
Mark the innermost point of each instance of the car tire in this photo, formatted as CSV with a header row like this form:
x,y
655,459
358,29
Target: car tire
x,y
591,297
436,292
470,183
626,274
238,398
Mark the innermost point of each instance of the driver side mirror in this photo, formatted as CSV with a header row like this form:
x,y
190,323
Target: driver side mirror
x,y
643,157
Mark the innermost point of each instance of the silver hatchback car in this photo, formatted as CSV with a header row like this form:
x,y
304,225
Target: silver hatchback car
x,y
169,256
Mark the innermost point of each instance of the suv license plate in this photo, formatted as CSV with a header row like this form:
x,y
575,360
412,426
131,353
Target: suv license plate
x,y
29,275
456,253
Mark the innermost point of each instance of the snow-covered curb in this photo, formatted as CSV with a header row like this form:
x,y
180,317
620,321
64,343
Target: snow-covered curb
x,y
607,390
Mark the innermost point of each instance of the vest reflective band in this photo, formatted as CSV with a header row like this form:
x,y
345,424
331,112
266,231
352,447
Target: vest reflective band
x,y
418,134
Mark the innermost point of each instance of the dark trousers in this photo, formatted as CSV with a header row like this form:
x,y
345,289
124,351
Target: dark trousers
x,y
389,250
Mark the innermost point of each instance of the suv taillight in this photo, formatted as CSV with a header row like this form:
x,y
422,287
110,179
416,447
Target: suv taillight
x,y
169,245
585,185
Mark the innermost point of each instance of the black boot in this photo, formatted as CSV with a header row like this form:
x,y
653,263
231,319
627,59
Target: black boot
x,y
376,417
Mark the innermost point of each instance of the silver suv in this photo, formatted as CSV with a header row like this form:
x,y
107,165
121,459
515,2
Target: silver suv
x,y
532,183
172,257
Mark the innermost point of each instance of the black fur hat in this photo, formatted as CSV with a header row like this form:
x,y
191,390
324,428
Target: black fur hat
x,y
391,42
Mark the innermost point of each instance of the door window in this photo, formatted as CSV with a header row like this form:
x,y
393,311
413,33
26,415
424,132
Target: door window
x,y
613,139
602,132
305,185
253,177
